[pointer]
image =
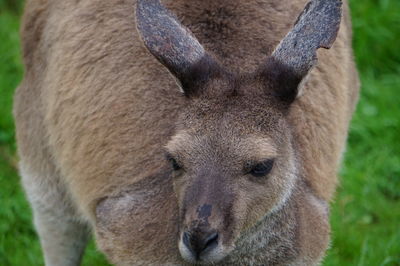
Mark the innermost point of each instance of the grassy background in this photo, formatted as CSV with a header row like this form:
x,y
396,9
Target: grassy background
x,y
366,213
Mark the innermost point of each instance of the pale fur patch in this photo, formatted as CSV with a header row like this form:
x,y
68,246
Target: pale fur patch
x,y
178,140
259,148
62,232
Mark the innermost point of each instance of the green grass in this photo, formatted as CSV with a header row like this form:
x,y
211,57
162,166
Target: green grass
x,y
366,212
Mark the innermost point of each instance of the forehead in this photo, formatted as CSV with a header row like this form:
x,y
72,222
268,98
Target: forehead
x,y
234,122
233,110
218,144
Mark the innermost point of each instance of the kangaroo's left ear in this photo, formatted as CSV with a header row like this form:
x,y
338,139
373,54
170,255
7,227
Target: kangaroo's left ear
x,y
316,27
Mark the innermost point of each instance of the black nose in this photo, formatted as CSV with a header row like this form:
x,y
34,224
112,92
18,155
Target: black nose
x,y
200,242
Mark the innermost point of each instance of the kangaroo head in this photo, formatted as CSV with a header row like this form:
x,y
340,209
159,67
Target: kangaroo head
x,y
232,155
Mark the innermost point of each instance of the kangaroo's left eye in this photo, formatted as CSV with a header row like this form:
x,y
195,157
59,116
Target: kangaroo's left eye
x,y
261,169
174,163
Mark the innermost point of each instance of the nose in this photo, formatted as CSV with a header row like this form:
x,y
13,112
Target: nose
x,y
200,242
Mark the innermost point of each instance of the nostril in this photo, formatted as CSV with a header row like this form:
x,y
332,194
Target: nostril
x,y
211,240
199,243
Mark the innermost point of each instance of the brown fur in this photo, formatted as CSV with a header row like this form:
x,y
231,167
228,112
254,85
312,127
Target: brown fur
x,y
96,111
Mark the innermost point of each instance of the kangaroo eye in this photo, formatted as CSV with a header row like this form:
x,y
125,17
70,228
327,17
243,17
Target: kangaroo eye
x,y
262,169
175,165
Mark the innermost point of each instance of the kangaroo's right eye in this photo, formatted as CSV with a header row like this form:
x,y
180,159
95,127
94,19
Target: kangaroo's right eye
x,y
262,169
259,169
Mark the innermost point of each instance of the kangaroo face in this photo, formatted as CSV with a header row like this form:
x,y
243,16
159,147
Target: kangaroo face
x,y
232,153
233,164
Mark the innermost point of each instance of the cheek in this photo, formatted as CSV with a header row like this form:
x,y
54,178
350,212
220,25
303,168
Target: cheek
x,y
254,203
258,199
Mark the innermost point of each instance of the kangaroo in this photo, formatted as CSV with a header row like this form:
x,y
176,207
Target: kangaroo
x,y
184,132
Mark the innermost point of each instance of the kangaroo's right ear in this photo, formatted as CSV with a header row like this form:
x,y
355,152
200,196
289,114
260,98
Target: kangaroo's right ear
x,y
174,45
317,27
